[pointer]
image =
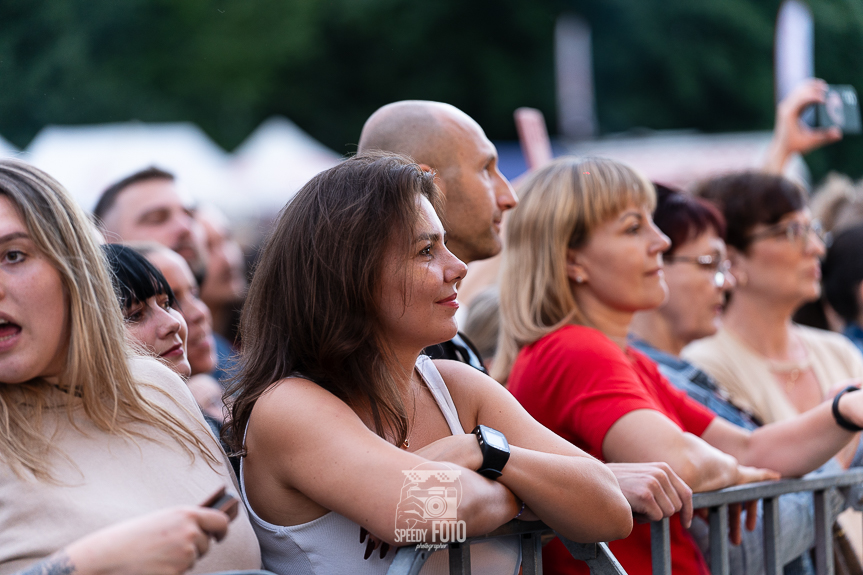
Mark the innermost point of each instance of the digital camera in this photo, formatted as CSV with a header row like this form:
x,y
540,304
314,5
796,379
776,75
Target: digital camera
x,y
438,502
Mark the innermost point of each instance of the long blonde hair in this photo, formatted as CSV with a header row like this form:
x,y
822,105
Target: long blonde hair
x,y
96,365
559,207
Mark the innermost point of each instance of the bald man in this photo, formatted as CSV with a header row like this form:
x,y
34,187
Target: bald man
x,y
443,139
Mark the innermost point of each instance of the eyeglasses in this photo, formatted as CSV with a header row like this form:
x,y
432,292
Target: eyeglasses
x,y
796,232
713,263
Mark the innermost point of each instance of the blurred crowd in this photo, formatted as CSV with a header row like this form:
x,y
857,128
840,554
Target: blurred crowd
x,y
614,344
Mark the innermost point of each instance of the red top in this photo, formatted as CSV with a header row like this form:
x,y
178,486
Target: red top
x,y
578,383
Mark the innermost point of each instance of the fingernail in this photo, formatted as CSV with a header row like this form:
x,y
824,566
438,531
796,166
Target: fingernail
x,y
369,549
363,534
385,548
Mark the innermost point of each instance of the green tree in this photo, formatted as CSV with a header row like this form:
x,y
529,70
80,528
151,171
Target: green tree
x,y
327,64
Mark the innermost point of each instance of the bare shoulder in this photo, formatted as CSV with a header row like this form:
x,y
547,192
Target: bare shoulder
x,y
295,408
472,391
461,378
297,397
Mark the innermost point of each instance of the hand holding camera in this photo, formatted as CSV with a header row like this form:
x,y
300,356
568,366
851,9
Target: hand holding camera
x,y
794,136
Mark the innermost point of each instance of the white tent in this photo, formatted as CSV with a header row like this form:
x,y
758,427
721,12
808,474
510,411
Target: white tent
x,y
682,158
7,149
276,160
86,159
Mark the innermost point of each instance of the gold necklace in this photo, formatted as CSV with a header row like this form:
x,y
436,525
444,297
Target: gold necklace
x,y
407,442
794,369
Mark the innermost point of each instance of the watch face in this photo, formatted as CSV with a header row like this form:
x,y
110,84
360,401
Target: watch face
x,y
496,439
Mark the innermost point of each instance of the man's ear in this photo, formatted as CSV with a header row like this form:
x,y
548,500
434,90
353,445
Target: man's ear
x,y
574,270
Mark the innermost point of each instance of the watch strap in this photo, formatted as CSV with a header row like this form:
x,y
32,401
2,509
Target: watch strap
x,y
493,459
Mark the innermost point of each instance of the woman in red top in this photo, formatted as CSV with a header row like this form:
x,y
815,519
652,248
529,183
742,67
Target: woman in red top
x,y
584,239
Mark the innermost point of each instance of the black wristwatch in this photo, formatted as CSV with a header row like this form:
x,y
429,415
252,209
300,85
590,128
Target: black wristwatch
x,y
495,451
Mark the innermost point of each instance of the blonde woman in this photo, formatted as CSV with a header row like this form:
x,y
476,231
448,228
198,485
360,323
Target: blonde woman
x,y
105,458
584,239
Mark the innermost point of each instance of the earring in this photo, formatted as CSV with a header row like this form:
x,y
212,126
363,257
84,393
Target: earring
x,y
579,279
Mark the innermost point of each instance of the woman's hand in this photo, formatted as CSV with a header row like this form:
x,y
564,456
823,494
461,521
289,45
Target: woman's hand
x,y
654,491
166,542
747,475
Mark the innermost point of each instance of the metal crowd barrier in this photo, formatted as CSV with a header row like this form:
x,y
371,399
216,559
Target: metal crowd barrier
x,y
409,560
717,503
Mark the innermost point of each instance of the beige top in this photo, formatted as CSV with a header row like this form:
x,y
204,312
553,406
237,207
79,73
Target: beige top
x,y
746,374
109,478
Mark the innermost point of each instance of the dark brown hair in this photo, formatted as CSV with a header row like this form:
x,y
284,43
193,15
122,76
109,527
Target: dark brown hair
x,y
751,198
312,306
683,218
843,272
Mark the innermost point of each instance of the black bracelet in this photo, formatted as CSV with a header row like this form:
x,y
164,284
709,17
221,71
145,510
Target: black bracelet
x,y
840,419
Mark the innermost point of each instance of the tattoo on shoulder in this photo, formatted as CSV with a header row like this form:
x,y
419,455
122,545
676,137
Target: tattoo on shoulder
x,y
57,564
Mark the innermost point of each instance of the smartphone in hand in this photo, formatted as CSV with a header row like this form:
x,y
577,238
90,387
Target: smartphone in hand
x,y
224,502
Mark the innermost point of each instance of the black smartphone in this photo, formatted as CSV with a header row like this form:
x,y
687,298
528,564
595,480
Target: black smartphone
x,y
840,109
224,502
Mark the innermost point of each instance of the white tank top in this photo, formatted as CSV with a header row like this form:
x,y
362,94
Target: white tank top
x,y
331,544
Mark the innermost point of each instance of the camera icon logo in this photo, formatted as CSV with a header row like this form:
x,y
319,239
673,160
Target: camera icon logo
x,y
431,493
438,502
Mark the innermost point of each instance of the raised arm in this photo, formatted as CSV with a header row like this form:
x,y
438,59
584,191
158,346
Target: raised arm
x,y
790,136
309,453
565,487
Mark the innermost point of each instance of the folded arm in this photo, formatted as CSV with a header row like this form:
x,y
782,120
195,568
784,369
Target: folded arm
x,y
309,453
562,485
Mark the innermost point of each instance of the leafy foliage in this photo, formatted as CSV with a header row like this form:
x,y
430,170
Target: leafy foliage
x,y
327,64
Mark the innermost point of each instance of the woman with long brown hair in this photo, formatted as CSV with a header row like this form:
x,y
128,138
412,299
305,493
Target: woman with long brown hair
x,y
341,421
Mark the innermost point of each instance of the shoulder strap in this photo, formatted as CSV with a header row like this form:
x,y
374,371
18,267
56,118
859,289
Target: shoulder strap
x,y
427,370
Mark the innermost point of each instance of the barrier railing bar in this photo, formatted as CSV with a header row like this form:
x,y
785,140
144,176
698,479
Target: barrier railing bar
x,y
718,519
769,491
738,493
598,557
660,547
531,554
410,560
823,535
459,559
772,532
